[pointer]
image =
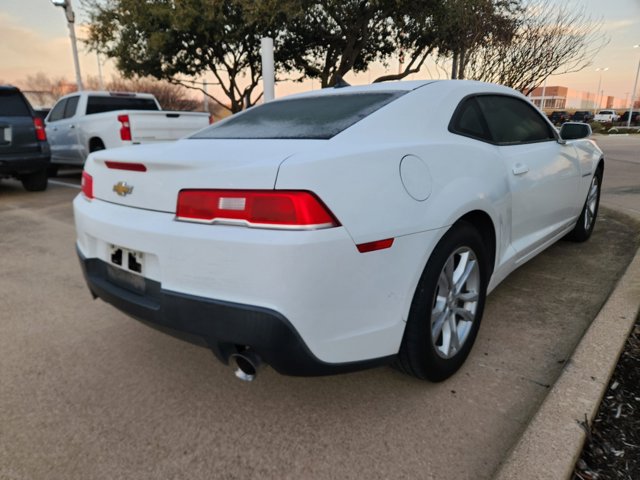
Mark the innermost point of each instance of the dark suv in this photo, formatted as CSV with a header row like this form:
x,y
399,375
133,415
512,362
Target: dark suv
x,y
559,117
635,118
582,116
24,151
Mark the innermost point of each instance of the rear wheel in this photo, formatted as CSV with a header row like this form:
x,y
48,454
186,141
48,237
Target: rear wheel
x,y
36,181
447,306
587,220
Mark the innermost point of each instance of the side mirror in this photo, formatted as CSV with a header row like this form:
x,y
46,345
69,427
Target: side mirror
x,y
575,130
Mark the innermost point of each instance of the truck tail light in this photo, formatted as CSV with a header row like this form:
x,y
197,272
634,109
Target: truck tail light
x,y
125,129
38,124
283,209
87,185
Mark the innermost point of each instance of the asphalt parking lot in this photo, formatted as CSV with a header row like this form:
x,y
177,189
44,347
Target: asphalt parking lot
x,y
87,393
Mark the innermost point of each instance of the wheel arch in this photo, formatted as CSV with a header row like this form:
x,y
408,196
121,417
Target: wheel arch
x,y
94,142
483,222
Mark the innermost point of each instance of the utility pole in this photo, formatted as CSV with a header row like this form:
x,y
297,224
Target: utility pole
x,y
71,18
268,69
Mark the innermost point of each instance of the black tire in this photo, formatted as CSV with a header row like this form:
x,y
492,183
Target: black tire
x,y
587,219
420,354
36,181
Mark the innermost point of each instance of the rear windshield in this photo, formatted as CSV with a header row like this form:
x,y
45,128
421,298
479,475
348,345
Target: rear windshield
x,y
320,117
109,104
13,105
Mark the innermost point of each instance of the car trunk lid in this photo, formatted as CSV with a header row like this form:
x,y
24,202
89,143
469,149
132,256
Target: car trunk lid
x,y
186,164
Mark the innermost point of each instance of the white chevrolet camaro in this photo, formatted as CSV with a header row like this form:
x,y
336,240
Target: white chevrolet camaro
x,y
337,229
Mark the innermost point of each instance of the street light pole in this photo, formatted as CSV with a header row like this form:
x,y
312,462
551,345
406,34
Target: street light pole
x,y
598,90
71,17
633,92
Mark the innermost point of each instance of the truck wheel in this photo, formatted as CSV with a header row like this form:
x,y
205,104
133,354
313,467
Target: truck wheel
x,y
36,181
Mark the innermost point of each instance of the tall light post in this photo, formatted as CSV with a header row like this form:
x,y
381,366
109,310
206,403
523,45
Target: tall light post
x,y
71,18
633,92
601,70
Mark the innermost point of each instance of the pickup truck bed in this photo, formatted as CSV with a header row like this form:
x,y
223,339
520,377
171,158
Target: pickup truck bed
x,y
85,122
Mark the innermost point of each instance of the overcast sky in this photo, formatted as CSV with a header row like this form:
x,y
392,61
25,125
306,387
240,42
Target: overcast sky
x,y
34,38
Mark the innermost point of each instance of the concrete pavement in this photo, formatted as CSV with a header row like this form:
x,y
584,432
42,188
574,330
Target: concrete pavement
x,y
87,393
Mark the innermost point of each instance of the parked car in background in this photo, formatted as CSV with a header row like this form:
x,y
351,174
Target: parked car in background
x,y
86,122
582,116
606,116
558,117
337,229
635,117
24,151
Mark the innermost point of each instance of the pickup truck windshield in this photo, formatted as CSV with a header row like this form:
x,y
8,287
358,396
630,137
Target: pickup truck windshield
x,y
320,117
98,104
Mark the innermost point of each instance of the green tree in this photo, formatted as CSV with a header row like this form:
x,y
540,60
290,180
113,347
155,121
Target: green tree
x,y
174,39
463,26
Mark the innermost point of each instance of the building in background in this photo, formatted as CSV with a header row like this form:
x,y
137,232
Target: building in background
x,y
563,98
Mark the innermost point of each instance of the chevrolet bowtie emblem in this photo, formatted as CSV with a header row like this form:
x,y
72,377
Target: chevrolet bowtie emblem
x,y
122,189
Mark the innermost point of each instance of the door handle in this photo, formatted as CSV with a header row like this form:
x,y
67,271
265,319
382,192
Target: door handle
x,y
71,126
520,169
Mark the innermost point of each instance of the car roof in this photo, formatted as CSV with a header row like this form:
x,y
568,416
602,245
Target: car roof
x,y
398,86
9,88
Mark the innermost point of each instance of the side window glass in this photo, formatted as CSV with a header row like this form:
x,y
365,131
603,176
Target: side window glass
x,y
468,120
58,111
512,121
72,105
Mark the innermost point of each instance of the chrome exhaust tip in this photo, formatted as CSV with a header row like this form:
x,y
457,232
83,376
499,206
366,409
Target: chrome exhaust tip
x,y
248,363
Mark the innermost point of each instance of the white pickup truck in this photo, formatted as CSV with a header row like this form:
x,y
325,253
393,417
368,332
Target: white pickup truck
x,y
85,122
606,116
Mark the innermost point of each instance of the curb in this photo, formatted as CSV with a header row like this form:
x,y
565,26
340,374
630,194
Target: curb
x,y
551,443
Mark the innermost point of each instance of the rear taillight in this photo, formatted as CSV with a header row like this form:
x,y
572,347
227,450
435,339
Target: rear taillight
x,y
87,185
38,124
255,208
125,129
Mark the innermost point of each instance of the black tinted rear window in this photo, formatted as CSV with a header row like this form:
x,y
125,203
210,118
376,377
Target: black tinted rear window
x,y
320,117
13,105
109,104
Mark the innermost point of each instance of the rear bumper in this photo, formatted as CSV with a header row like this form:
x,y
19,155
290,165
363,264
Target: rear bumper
x,y
17,164
220,325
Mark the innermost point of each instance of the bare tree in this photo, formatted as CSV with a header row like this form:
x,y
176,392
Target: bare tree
x,y
551,39
45,91
170,96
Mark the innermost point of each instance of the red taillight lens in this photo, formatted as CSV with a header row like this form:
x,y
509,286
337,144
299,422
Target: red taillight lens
x,y
255,208
133,167
125,129
38,124
87,185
